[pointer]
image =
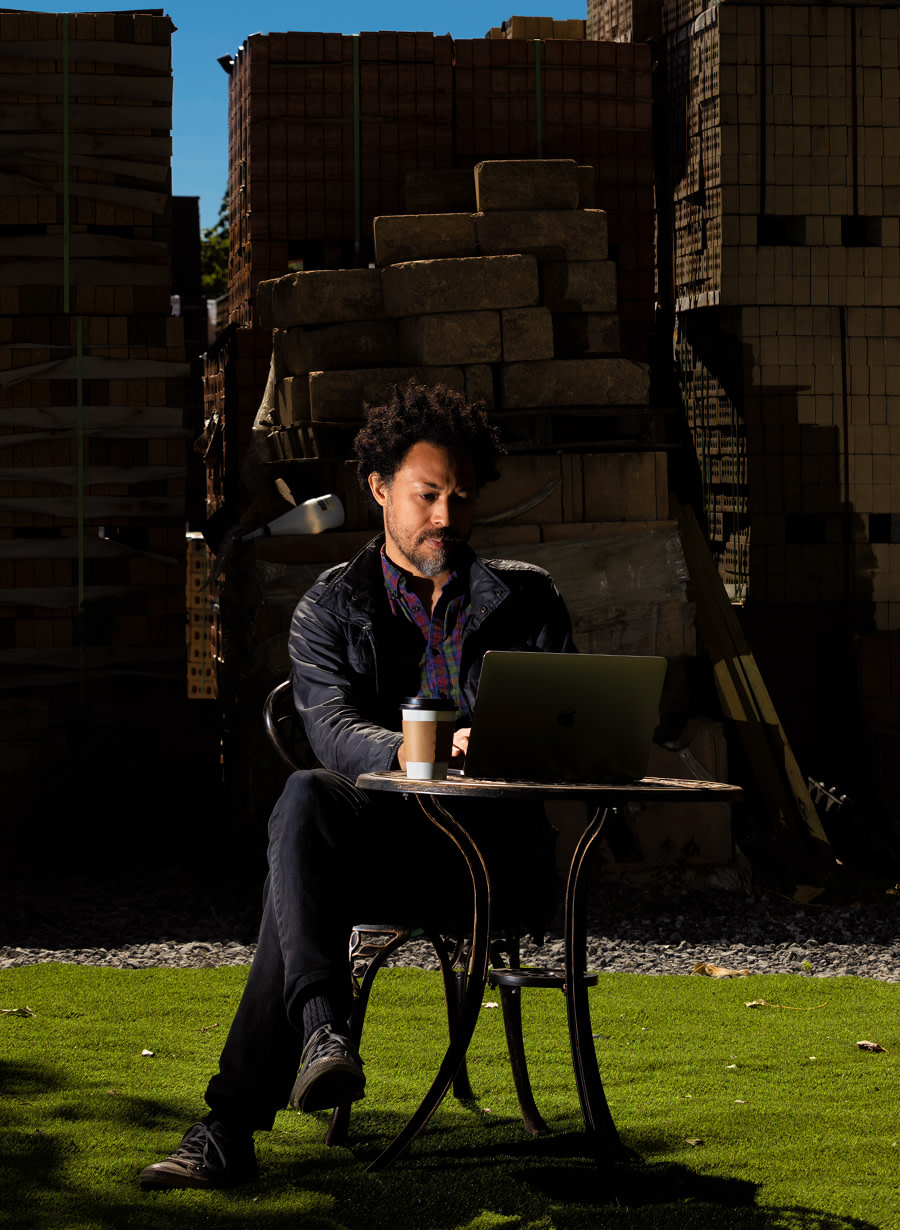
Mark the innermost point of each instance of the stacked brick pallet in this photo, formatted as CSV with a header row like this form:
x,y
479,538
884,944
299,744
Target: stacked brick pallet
x,y
538,27
92,367
784,131
324,129
514,305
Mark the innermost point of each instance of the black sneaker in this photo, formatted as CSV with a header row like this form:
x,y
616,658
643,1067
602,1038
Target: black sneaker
x,y
330,1072
206,1157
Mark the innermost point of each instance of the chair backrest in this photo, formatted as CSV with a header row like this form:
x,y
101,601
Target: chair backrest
x,y
280,719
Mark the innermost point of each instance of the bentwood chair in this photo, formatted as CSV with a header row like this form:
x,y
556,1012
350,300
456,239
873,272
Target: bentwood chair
x,y
373,942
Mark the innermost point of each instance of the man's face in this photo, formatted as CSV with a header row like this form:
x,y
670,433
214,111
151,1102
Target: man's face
x,y
428,508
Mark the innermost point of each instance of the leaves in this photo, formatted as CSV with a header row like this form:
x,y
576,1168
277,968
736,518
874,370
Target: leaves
x,y
26,1011
718,971
694,1141
871,1046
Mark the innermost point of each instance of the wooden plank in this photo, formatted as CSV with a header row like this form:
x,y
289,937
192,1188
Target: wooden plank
x,y
139,198
96,418
151,172
107,433
96,369
141,55
95,656
91,145
67,476
64,597
83,117
81,247
70,548
745,697
66,507
83,273
91,85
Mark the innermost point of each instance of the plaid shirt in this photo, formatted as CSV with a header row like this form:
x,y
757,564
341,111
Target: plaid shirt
x,y
441,631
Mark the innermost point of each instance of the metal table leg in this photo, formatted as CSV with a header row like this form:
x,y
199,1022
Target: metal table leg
x,y
597,1118
475,983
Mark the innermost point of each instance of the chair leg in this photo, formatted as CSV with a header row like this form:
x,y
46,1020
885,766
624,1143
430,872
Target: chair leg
x,y
370,946
511,1001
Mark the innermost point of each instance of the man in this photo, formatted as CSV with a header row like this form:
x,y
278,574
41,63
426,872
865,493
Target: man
x,y
412,614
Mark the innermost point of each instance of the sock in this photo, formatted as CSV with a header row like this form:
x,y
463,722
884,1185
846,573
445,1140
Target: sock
x,y
318,1010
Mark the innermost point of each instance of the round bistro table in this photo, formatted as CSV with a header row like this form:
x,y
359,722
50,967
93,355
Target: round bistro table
x,y
436,798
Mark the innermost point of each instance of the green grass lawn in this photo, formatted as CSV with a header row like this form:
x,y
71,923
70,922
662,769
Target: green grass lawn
x,y
797,1128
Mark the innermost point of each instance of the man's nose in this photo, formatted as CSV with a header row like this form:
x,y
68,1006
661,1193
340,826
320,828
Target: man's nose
x,y
440,511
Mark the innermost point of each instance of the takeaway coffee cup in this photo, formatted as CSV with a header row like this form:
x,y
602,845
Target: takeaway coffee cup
x,y
428,726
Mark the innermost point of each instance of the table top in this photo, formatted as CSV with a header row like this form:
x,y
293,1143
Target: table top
x,y
647,790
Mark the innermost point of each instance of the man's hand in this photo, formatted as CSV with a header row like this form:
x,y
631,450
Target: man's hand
x,y
461,742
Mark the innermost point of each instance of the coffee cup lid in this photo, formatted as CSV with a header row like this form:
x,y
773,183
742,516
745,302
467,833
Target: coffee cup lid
x,y
440,703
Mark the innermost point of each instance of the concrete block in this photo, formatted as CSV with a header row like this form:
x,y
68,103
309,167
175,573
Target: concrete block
x,y
451,337
427,192
579,286
551,234
460,284
423,237
574,382
582,334
336,397
292,400
480,384
348,344
623,487
549,183
264,304
325,296
587,191
527,334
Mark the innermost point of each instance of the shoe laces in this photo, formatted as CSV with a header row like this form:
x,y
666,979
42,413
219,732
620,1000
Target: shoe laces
x,y
326,1044
199,1145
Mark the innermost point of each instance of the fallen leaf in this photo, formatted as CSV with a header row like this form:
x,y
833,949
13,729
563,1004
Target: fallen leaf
x,y
145,1054
754,1003
804,893
739,1102
718,971
731,1066
204,1029
26,1011
696,1140
870,1046
490,1005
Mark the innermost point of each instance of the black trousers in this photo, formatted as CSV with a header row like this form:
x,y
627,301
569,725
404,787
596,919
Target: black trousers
x,y
338,856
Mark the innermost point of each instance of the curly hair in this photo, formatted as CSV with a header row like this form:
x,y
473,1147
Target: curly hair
x,y
438,416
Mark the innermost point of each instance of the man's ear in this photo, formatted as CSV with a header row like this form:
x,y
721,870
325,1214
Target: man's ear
x,y
379,488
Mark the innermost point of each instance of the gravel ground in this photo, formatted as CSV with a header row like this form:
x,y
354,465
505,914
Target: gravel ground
x,y
645,933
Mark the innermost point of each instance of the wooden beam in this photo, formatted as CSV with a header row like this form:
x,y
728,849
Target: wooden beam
x,y
745,698
95,418
67,476
90,85
141,55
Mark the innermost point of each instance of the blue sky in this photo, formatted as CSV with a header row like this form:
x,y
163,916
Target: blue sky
x,y
208,29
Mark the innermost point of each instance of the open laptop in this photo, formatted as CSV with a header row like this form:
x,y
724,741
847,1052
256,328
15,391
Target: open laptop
x,y
564,717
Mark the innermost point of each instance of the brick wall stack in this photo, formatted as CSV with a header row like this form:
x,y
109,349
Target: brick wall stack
x,y
310,170
784,132
92,439
514,305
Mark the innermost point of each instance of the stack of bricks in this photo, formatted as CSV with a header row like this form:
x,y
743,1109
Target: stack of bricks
x,y
92,371
513,306
784,135
324,128
624,21
538,27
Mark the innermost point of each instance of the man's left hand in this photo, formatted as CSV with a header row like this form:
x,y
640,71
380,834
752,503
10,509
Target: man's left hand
x,y
461,743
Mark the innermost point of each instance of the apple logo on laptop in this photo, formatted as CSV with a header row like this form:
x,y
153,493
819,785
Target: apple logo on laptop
x,y
566,717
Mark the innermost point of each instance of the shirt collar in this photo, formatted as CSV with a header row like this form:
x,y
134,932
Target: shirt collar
x,y
395,579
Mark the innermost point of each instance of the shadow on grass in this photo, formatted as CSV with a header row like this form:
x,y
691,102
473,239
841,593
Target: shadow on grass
x,y
80,1170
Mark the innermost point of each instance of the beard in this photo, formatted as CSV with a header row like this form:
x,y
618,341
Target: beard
x,y
428,562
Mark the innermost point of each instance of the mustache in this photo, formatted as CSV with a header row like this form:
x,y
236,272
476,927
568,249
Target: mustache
x,y
441,535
